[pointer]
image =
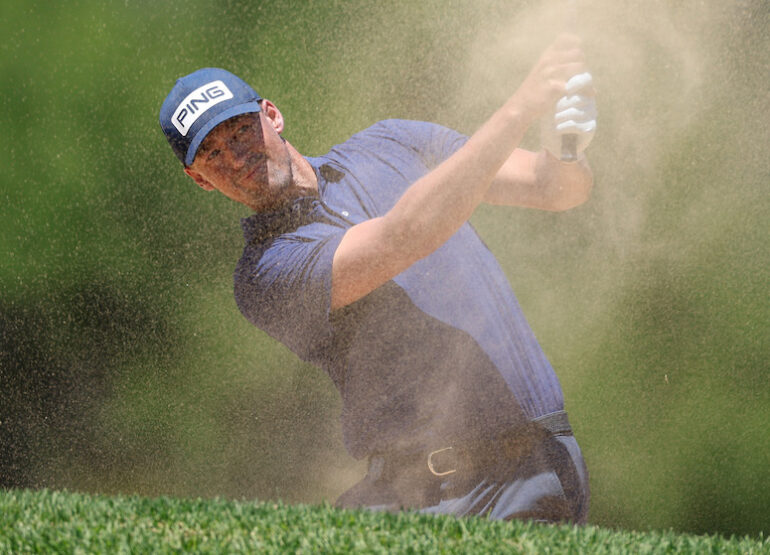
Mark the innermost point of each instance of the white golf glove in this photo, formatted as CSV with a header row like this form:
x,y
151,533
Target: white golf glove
x,y
574,114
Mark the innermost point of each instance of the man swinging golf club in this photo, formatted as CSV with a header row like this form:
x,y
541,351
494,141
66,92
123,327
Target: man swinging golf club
x,y
362,262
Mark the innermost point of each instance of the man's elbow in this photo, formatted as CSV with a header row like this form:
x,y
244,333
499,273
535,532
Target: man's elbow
x,y
571,196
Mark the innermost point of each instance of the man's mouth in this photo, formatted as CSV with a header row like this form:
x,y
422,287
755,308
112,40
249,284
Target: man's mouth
x,y
258,166
251,173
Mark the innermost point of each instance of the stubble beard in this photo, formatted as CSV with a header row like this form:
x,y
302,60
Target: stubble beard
x,y
280,189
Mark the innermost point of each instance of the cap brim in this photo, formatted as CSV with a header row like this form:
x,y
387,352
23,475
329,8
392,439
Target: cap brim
x,y
192,150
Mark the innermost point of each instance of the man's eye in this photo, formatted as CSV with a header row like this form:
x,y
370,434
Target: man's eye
x,y
213,154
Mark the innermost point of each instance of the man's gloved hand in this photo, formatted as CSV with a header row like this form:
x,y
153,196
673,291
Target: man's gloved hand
x,y
574,114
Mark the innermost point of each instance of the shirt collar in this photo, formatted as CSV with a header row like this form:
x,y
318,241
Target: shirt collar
x,y
264,225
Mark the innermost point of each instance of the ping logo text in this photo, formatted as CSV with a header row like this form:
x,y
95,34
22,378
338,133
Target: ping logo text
x,y
197,102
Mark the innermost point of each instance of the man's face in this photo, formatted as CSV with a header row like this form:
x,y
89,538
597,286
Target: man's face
x,y
246,160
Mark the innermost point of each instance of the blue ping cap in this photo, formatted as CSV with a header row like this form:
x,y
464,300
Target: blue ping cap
x,y
198,103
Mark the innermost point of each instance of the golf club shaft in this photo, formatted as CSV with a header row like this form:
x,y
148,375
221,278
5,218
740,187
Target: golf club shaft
x,y
569,141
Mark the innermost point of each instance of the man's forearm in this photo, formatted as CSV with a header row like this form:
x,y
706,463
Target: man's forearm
x,y
539,180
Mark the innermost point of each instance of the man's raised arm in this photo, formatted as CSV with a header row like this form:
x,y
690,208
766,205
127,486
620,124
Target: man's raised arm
x,y
435,206
542,180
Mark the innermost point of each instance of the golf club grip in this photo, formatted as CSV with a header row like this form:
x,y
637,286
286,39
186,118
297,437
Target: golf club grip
x,y
569,148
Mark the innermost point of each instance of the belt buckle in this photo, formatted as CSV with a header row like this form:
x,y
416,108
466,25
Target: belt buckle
x,y
433,469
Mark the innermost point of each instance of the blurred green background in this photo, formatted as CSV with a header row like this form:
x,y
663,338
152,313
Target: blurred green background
x,y
125,365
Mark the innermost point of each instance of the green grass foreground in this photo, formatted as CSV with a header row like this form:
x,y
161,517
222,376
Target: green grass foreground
x,y
52,521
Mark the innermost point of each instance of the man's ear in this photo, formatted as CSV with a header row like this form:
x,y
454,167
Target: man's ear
x,y
199,179
273,115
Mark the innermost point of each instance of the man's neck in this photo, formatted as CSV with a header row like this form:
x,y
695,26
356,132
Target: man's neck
x,y
303,174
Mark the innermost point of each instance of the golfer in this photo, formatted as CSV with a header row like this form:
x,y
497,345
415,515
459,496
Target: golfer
x,y
362,262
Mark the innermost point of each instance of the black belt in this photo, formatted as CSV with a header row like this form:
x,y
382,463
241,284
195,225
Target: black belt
x,y
451,457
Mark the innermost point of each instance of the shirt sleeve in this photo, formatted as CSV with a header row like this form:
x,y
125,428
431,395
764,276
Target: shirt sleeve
x,y
433,142
284,287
